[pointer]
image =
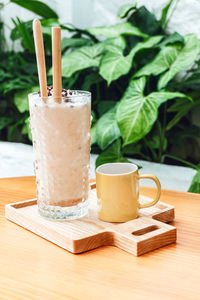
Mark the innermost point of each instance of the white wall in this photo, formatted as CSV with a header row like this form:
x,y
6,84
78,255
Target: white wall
x,y
86,13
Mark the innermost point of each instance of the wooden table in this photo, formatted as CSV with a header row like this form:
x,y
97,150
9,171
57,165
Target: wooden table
x,y
33,268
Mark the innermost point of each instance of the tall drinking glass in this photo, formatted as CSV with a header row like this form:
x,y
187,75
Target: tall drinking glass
x,y
61,143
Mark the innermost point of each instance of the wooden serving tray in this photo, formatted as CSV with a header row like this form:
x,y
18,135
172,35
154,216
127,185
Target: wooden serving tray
x,y
139,236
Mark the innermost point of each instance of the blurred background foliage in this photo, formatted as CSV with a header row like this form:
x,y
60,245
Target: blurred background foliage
x,y
142,106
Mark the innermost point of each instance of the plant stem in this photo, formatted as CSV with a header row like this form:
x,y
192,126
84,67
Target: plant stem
x,y
172,12
162,131
182,161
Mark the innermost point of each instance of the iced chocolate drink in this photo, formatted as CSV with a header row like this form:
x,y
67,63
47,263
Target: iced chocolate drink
x,y
61,142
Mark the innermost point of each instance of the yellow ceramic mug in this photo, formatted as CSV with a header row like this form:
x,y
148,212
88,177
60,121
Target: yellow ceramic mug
x,y
118,191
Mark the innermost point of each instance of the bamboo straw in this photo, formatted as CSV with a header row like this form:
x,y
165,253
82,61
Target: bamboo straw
x,y
56,57
39,49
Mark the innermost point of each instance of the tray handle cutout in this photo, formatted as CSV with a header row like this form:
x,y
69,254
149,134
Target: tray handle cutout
x,y
145,230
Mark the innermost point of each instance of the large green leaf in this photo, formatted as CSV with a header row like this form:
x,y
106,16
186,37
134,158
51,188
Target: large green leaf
x,y
185,58
107,129
112,154
148,43
118,41
195,185
125,9
21,98
114,64
80,59
172,39
137,113
172,59
161,62
146,21
163,96
37,7
93,135
116,30
73,43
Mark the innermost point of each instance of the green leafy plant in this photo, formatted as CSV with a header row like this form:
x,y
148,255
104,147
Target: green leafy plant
x,y
140,107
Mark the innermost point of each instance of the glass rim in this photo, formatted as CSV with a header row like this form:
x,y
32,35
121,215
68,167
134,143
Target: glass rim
x,y
80,93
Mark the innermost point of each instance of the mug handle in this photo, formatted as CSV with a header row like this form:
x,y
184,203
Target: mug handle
x,y
155,200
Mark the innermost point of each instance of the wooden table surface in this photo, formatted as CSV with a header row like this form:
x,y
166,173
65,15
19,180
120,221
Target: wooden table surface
x,y
33,268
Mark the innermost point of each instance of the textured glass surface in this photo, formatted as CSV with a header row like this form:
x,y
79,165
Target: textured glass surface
x,y
61,142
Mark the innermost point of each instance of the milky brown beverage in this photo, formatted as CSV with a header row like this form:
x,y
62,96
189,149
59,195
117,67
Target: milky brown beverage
x,y
61,142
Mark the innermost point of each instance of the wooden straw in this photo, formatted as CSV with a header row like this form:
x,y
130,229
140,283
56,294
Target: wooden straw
x,y
56,55
39,49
